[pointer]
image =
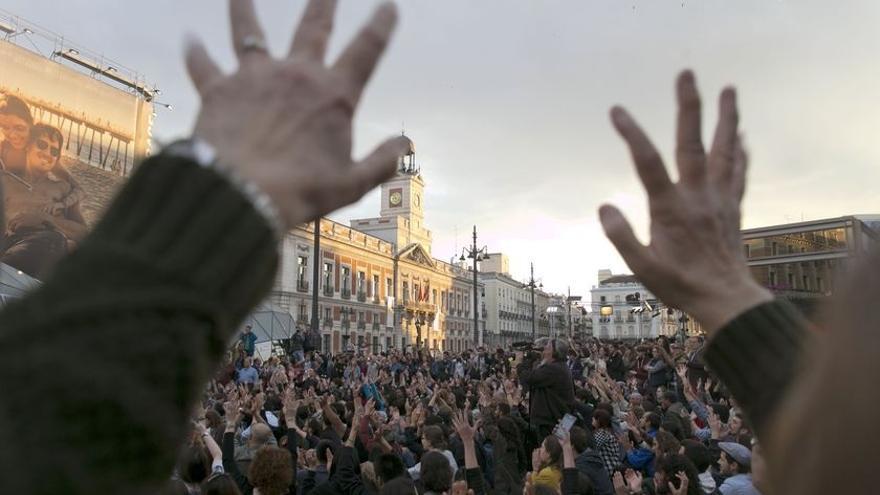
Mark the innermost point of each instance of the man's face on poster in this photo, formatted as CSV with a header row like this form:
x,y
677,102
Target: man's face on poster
x,y
15,130
43,153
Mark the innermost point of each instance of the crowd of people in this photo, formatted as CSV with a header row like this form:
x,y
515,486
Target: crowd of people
x,y
649,418
109,358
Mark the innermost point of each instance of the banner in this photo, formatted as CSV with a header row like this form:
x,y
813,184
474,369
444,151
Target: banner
x,y
67,140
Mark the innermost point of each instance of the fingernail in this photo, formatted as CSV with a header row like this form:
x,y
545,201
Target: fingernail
x,y
190,40
619,115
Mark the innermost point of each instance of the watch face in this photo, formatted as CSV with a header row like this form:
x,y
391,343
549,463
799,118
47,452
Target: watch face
x,y
395,198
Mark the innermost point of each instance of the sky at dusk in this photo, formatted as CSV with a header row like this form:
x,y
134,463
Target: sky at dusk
x,y
507,103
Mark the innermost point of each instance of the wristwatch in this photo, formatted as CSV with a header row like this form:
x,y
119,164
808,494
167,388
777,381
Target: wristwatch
x,y
201,152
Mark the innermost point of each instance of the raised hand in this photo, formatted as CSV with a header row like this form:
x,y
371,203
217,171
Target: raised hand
x,y
681,370
634,480
695,258
536,460
714,425
682,484
285,124
462,424
620,487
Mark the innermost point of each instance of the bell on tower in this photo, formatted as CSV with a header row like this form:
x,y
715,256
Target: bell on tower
x,y
406,164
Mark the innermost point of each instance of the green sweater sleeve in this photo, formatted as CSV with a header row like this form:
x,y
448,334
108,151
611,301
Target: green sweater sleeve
x,y
756,356
102,364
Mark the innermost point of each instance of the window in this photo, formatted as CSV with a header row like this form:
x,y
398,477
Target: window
x,y
328,275
819,286
375,289
389,290
416,292
434,296
772,278
346,278
601,298
806,280
748,250
301,270
406,292
362,282
328,313
774,249
326,343
790,281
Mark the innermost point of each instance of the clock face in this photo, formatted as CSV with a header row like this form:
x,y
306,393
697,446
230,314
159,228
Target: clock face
x,y
395,198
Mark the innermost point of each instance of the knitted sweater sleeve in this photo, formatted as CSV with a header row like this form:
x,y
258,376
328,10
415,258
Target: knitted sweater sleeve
x,y
757,355
104,361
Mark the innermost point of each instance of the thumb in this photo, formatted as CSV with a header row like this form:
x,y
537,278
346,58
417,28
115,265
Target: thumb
x,y
620,233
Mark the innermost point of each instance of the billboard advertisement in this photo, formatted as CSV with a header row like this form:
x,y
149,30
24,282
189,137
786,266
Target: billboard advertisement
x,y
67,141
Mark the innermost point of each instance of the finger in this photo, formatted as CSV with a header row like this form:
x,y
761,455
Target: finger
x,y
243,18
647,160
740,165
359,59
310,39
689,152
376,168
201,67
619,232
722,154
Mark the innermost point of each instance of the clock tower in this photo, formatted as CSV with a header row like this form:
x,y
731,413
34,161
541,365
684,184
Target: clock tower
x,y
403,194
401,214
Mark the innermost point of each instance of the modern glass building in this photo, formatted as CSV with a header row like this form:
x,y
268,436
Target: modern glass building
x,y
805,261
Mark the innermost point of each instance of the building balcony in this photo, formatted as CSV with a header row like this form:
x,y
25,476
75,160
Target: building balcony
x,y
345,325
302,319
376,327
345,293
327,323
328,290
302,286
422,306
377,299
361,296
362,325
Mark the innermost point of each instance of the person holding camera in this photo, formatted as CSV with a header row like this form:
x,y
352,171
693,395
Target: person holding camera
x,y
544,373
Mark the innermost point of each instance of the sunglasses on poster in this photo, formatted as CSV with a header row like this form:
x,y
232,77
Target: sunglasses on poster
x,y
44,145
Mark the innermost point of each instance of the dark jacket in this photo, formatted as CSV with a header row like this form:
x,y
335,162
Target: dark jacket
x,y
508,475
551,391
590,464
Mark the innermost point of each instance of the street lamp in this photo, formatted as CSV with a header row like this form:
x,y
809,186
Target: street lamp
x,y
532,284
477,255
